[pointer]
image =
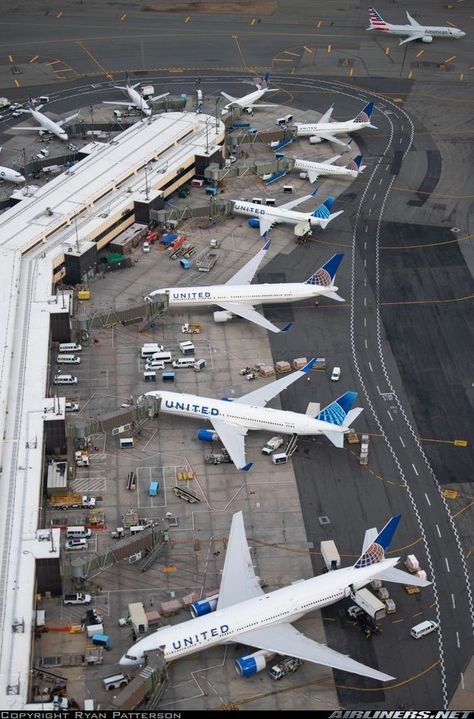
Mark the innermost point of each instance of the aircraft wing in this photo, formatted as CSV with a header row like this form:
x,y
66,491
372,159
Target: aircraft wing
x,y
410,38
232,437
250,313
67,119
332,160
34,129
295,203
239,581
158,97
245,275
312,176
331,138
229,97
412,21
327,115
117,102
261,396
266,224
286,640
260,104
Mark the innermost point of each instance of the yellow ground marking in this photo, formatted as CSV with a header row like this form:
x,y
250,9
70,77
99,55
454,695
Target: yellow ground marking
x,y
236,40
292,71
427,244
308,49
94,59
461,76
430,302
387,51
351,71
450,493
463,510
416,614
450,59
329,48
60,14
253,21
35,57
16,83
294,54
187,19
455,442
53,62
10,58
175,69
65,69
460,443
398,621
448,22
410,74
169,569
123,16
420,53
319,23
468,553
282,59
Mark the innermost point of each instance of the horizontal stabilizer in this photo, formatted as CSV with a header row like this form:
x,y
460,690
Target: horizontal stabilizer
x,y
332,296
337,438
325,223
352,416
399,577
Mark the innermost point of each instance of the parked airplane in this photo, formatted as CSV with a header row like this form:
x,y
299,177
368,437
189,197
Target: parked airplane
x,y
244,614
135,99
9,175
238,296
47,125
267,216
232,419
327,167
249,102
326,130
414,30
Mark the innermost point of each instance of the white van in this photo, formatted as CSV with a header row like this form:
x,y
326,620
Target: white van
x,y
78,533
65,379
68,359
69,347
116,681
426,627
151,348
184,362
160,357
154,364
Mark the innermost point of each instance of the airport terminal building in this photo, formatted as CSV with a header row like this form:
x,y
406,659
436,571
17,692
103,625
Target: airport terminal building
x,y
54,235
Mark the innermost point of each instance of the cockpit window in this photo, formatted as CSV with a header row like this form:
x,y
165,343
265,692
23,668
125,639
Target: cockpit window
x,y
130,656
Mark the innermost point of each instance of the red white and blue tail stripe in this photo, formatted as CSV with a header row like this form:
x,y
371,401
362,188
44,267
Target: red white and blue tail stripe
x,y
376,21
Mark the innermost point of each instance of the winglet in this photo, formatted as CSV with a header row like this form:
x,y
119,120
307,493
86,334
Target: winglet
x,y
309,366
246,467
267,243
314,192
286,327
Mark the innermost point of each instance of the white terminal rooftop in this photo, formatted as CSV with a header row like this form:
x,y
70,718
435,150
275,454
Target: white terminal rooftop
x,y
67,211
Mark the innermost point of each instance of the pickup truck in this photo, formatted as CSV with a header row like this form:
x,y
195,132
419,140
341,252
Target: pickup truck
x,y
78,598
284,667
272,445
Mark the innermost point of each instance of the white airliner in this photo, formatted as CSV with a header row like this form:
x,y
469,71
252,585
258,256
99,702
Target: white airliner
x,y
9,175
249,102
232,419
412,31
326,130
238,296
47,125
136,99
265,216
246,615
327,167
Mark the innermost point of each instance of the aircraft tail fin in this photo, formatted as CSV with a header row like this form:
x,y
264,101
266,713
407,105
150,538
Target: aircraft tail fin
x,y
337,411
354,164
324,209
365,113
265,82
376,21
325,275
375,552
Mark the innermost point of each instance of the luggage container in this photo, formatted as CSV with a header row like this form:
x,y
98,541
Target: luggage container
x,y
185,264
280,458
167,376
149,376
153,489
101,640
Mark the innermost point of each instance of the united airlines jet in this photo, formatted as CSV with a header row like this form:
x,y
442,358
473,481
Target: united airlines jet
x,y
136,99
327,167
244,614
238,296
265,216
326,130
9,175
232,419
249,102
414,30
47,125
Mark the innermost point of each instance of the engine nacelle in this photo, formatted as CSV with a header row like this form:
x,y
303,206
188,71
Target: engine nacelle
x,y
207,435
253,222
204,606
249,110
252,663
222,316
426,38
314,139
304,175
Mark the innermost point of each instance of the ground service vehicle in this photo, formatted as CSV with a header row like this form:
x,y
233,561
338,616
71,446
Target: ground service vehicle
x,y
72,501
420,630
75,544
184,494
65,379
71,407
206,263
191,329
331,557
369,603
68,359
284,667
78,598
272,445
336,374
69,347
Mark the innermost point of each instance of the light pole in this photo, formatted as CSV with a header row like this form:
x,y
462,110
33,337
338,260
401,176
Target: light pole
x,y
146,182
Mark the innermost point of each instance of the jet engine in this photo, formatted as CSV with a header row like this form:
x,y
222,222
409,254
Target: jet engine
x,y
222,316
314,139
253,222
207,435
426,38
204,606
252,663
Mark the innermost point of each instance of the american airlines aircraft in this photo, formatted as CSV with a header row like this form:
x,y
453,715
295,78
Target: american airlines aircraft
x,y
249,102
9,175
246,615
232,419
268,216
326,130
327,167
47,125
136,99
238,296
412,31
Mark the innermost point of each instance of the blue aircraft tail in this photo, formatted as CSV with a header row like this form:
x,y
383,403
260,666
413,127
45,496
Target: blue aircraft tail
x,y
337,411
375,552
354,164
326,274
265,82
365,113
324,210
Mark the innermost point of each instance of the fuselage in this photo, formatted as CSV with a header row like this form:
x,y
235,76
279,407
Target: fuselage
x,y
49,125
427,30
247,101
331,128
324,169
283,605
243,294
275,214
9,175
138,100
242,415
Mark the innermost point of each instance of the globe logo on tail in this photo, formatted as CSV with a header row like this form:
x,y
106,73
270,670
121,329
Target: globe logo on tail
x,y
373,555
